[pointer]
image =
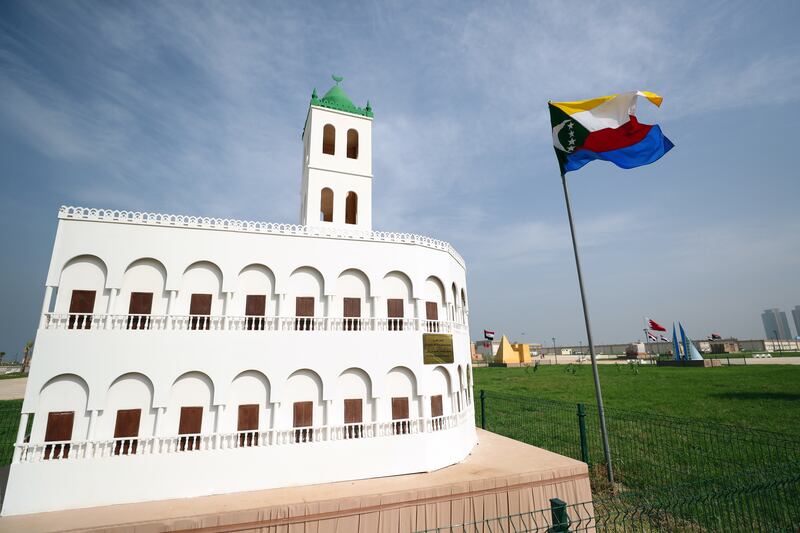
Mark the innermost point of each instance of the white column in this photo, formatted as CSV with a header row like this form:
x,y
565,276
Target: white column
x,y
280,308
171,309
23,426
160,414
377,302
417,313
48,295
220,411
329,419
226,309
92,424
426,411
112,299
328,311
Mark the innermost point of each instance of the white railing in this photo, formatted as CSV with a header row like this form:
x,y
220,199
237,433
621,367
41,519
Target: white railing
x,y
225,224
137,323
121,447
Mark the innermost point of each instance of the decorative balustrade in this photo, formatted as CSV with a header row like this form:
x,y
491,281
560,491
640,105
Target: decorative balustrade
x,y
224,224
135,323
121,447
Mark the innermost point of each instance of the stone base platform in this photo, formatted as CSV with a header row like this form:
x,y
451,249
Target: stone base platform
x,y
500,477
705,363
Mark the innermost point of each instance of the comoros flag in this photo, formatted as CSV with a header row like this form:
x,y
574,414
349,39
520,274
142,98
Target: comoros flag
x,y
606,128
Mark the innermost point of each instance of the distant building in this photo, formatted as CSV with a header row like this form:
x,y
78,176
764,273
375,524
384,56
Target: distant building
x,y
775,324
796,317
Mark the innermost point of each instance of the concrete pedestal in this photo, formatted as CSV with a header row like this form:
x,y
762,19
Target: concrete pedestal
x,y
500,477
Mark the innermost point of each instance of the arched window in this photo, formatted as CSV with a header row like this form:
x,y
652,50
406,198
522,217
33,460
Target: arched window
x,y
326,205
329,139
352,144
351,208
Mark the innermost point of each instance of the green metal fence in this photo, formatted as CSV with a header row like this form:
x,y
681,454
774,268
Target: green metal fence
x,y
759,504
9,423
672,474
648,450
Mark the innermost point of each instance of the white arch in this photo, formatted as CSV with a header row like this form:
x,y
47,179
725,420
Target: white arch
x,y
248,387
83,272
144,275
65,392
441,385
307,281
201,277
353,283
303,385
129,391
355,383
402,382
255,278
191,389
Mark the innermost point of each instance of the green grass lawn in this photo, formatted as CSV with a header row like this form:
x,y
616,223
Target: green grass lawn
x,y
759,397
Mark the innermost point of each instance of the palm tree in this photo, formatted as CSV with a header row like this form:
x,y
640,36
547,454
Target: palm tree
x,y
26,359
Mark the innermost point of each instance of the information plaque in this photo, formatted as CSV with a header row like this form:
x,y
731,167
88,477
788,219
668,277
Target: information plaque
x,y
437,348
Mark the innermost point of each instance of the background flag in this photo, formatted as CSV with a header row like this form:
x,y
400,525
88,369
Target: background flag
x,y
488,335
606,128
663,338
652,324
651,337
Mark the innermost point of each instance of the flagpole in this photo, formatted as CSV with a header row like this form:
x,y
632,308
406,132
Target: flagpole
x,y
597,391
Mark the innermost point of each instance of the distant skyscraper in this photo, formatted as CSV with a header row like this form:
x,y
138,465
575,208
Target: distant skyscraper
x,y
796,317
775,324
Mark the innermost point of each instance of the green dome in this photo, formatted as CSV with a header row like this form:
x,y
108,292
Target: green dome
x,y
337,96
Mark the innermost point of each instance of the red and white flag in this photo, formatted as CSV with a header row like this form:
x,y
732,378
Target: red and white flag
x,y
488,335
651,337
655,325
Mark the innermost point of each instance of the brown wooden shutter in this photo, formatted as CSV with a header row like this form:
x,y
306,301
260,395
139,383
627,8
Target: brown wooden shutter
x,y
399,408
200,304
394,308
248,417
352,307
353,411
59,426
256,305
431,311
141,303
127,427
304,306
191,422
81,302
127,424
436,405
200,309
303,414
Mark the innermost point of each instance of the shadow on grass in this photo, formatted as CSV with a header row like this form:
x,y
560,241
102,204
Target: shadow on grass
x,y
782,396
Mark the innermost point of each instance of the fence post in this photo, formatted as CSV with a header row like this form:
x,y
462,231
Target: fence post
x,y
582,429
483,409
558,516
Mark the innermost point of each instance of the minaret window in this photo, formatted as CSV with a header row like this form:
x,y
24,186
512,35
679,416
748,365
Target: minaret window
x,y
329,139
326,205
351,208
352,144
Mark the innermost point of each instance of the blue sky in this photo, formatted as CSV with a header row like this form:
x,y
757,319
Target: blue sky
x,y
197,108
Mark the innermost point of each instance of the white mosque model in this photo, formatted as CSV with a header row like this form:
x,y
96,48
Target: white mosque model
x,y
181,356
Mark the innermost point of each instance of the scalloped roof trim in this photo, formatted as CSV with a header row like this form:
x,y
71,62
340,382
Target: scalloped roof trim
x,y
247,226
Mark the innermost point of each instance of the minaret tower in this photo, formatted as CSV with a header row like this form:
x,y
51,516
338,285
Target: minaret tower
x,y
337,162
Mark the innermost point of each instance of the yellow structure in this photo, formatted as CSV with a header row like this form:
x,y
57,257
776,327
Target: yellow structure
x,y
512,354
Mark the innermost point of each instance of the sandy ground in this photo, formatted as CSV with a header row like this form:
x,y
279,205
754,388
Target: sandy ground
x,y
12,389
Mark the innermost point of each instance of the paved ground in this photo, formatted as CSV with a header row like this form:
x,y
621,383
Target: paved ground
x,y
495,462
12,389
